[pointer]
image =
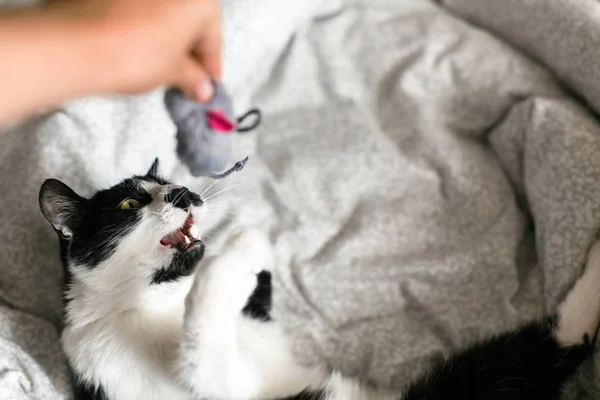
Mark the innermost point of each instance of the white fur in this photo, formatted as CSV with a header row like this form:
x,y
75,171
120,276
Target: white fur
x,y
579,314
226,355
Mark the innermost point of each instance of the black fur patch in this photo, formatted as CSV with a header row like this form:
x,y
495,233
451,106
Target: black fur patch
x,y
259,302
182,264
83,391
103,223
527,364
309,395
183,198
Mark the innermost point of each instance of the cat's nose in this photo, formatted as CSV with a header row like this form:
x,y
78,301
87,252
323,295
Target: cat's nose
x,y
181,197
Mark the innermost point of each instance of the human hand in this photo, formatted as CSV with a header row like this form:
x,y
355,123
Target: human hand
x,y
74,48
153,42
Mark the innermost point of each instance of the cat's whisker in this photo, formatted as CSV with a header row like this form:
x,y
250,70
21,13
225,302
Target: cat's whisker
x,y
221,191
236,199
226,212
225,201
204,180
179,196
223,204
208,188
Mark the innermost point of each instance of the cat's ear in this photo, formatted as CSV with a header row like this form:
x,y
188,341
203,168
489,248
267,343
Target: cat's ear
x,y
61,206
153,171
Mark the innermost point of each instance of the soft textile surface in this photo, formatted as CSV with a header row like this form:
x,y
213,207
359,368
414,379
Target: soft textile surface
x,y
564,35
423,182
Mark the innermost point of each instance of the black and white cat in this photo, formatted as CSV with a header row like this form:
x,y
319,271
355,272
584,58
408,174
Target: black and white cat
x,y
145,319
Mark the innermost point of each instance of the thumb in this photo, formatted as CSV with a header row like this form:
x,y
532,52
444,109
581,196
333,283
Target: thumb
x,y
194,81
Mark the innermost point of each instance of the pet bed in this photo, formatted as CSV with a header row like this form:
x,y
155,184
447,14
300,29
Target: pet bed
x,y
428,172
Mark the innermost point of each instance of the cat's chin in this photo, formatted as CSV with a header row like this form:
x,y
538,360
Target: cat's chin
x,y
193,247
189,253
183,263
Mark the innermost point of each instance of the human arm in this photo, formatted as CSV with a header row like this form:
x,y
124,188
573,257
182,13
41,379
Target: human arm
x,y
73,48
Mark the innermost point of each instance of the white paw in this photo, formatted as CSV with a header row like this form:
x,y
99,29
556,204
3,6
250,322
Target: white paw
x,y
255,246
221,289
226,281
241,288
594,253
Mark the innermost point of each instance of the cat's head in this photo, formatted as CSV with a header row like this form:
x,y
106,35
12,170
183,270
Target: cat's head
x,y
140,232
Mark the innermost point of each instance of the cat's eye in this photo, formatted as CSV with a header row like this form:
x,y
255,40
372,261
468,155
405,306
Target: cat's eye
x,y
130,204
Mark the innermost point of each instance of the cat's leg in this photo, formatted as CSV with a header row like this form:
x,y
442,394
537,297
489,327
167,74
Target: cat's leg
x,y
532,362
224,354
579,313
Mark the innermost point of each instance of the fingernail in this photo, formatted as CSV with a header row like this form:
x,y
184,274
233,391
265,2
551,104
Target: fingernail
x,y
205,91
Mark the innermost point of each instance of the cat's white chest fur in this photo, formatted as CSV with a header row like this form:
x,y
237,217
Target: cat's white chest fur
x,y
122,351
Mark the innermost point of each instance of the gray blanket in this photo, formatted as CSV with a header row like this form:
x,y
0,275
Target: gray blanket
x,y
424,182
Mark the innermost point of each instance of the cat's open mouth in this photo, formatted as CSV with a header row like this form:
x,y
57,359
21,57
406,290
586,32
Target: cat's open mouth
x,y
183,237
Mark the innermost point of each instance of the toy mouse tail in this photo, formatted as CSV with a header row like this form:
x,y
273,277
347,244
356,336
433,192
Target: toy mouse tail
x,y
237,167
253,125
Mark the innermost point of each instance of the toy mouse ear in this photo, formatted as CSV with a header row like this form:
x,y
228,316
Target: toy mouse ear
x,y
153,171
219,122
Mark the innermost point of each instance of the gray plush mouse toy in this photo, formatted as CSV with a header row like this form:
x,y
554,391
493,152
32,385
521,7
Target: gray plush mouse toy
x,y
205,132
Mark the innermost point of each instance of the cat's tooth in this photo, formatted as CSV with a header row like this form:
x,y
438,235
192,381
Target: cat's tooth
x,y
194,232
187,239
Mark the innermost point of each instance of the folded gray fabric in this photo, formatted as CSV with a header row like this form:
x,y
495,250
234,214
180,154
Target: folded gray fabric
x,y
562,34
410,238
424,184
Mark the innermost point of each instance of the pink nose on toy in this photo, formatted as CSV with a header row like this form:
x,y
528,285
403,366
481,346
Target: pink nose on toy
x,y
219,122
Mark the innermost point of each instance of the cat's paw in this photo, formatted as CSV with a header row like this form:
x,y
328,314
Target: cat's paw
x,y
594,253
255,246
227,281
222,288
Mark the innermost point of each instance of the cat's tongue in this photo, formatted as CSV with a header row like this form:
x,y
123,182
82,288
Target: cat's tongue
x,y
174,238
182,237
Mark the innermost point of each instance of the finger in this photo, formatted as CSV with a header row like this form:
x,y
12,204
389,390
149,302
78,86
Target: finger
x,y
210,55
194,80
210,47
